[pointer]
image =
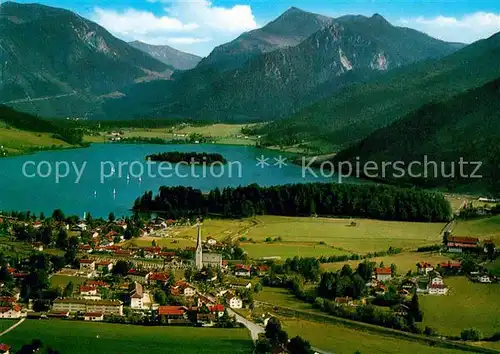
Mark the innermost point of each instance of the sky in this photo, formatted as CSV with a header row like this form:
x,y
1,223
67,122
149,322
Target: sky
x,y
197,26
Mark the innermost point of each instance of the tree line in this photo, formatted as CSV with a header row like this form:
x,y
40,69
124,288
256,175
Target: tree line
x,y
328,199
188,157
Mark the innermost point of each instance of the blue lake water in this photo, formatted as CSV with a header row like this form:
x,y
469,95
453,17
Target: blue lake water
x,y
100,193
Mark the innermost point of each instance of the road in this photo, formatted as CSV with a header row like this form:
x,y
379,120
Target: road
x,y
256,329
39,98
12,327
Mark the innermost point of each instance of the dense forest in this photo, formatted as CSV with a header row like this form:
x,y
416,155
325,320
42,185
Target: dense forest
x,y
188,157
327,199
32,123
463,127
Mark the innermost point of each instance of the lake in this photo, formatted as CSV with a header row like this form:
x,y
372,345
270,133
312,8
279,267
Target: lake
x,y
108,178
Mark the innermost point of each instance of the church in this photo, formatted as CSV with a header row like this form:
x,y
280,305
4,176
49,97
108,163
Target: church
x,y
205,259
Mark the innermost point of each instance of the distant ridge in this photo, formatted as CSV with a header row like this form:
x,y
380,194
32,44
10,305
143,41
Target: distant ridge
x,y
168,55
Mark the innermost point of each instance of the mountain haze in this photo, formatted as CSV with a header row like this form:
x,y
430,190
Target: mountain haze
x,y
56,63
168,55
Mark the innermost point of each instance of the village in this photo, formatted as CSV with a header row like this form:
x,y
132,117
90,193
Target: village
x,y
103,278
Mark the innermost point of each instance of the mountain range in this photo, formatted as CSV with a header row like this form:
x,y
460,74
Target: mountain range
x,y
343,119
168,55
288,30
275,84
56,63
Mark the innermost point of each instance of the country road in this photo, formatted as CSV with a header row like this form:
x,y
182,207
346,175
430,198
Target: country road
x,y
12,327
256,329
22,100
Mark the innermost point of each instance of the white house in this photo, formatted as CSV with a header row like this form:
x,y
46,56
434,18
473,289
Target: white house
x,y
383,274
242,270
87,264
438,289
484,279
437,281
424,268
234,302
211,241
11,312
94,316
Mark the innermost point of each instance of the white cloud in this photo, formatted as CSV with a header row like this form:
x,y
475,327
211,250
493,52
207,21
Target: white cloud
x,y
468,28
207,25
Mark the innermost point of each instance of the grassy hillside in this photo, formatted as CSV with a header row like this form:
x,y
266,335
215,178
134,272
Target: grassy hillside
x,y
21,132
465,126
343,119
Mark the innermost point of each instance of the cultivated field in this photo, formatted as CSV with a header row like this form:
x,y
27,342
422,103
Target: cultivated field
x,y
404,261
281,297
484,228
222,133
366,236
103,338
306,237
284,250
340,339
467,305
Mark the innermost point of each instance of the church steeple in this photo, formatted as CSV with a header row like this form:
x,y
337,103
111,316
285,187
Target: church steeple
x,y
199,249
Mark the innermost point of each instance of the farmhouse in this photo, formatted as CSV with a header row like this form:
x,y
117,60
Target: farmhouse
x,y
89,292
241,270
159,278
104,266
344,301
87,264
261,270
217,309
437,281
383,274
11,312
424,268
234,301
401,310
457,244
94,316
437,289
484,279
240,284
174,314
183,288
